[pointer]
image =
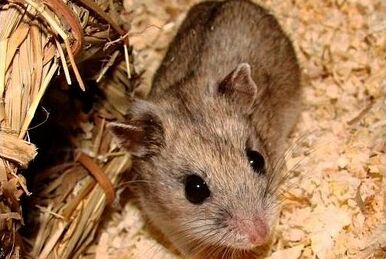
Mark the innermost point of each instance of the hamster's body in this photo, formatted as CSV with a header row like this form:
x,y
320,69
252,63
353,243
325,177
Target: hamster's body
x,y
214,39
207,141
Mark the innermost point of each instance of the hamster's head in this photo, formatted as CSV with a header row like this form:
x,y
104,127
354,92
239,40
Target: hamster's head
x,y
205,179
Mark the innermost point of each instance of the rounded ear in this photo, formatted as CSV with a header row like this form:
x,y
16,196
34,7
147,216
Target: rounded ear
x,y
239,86
143,134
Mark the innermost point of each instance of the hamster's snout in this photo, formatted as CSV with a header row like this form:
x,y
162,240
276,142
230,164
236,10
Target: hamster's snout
x,y
252,232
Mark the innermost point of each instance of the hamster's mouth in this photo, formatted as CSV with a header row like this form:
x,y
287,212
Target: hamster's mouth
x,y
243,244
223,252
233,244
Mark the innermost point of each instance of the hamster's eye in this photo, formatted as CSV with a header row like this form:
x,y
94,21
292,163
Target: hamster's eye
x,y
256,161
196,189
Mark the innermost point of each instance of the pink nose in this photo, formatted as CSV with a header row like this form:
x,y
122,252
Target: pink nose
x,y
256,230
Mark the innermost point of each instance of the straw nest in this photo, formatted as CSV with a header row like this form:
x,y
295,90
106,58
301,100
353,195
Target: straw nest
x,y
334,204
39,41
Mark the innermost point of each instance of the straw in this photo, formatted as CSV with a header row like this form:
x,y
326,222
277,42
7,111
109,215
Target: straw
x,y
38,39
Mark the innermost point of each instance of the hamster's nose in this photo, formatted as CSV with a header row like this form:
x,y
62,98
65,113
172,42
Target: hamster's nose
x,y
256,230
258,233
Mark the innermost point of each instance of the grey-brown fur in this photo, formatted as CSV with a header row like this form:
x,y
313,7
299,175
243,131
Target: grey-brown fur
x,y
201,116
216,37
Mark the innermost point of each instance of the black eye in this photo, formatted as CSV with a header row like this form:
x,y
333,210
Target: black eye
x,y
256,160
196,190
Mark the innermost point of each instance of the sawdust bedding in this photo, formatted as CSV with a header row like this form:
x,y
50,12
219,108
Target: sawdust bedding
x,y
333,206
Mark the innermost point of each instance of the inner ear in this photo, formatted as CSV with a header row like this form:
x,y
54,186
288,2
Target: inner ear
x,y
239,86
142,135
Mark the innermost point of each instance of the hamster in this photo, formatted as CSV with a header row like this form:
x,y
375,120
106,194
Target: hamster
x,y
208,141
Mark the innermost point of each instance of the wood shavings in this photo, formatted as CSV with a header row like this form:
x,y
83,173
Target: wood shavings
x,y
324,230
293,252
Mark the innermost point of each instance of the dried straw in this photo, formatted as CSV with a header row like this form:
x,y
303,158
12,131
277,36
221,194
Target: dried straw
x,y
76,193
37,40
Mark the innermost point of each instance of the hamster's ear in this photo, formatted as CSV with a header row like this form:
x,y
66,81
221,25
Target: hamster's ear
x,y
239,86
142,135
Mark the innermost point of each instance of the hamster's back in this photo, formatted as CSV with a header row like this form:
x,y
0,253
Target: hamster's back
x,y
217,36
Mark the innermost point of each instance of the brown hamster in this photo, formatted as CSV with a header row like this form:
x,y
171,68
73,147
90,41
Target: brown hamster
x,y
207,142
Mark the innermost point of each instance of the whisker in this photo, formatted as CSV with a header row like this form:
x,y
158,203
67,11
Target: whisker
x,y
279,178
